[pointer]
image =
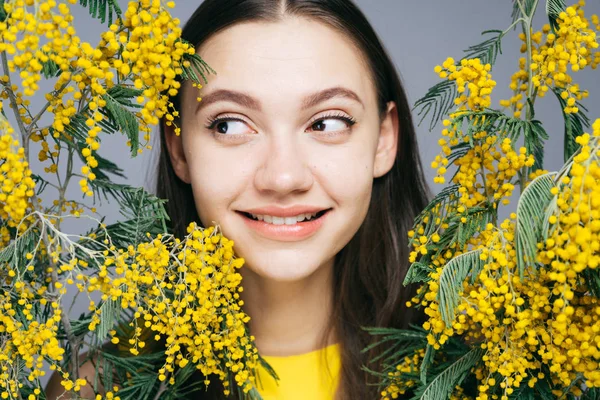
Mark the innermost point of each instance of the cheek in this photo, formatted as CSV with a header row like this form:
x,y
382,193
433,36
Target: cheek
x,y
217,178
346,173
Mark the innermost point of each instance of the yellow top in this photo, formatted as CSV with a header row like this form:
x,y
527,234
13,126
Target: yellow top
x,y
301,377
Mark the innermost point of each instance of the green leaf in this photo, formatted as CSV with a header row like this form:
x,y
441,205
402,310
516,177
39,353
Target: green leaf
x,y
14,252
397,344
453,275
553,10
575,124
101,8
488,50
125,94
528,8
426,363
534,136
591,394
439,99
436,207
109,315
108,372
477,219
592,280
442,385
77,131
417,273
198,68
50,69
3,14
120,116
40,184
143,213
268,367
531,211
472,122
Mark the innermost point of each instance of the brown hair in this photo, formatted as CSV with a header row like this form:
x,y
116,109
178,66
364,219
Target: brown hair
x,y
370,269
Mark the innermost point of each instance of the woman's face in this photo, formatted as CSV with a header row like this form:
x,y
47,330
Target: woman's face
x,y
287,127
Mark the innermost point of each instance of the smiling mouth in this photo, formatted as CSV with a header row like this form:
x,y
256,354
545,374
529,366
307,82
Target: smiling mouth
x,y
274,220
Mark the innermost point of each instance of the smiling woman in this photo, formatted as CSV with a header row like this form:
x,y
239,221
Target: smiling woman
x,y
302,149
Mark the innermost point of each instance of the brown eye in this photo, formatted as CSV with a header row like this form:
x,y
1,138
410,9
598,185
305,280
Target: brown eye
x,y
230,126
331,124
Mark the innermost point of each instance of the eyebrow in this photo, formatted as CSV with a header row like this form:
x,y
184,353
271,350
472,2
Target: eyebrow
x,y
245,100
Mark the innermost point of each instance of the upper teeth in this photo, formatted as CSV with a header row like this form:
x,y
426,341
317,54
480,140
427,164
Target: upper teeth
x,y
284,220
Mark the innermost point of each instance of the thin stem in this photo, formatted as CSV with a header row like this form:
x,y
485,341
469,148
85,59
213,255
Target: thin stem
x,y
527,22
43,109
512,26
64,317
15,106
487,195
528,19
161,389
522,8
63,188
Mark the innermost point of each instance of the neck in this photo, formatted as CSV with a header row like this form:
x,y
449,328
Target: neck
x,y
289,318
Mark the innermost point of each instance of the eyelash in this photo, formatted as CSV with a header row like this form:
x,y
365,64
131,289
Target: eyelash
x,y
214,120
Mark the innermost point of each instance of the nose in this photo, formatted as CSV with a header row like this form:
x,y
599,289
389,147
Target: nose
x,y
285,168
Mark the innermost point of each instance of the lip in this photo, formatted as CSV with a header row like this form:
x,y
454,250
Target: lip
x,y
284,212
286,233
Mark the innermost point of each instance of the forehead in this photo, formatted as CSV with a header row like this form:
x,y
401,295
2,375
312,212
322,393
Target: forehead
x,y
278,60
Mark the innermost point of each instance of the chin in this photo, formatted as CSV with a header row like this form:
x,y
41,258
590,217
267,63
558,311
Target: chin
x,y
284,269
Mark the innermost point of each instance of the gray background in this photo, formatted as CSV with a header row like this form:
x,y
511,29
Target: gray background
x,y
418,35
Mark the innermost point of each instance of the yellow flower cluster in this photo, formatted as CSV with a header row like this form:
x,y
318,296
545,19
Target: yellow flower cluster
x,y
473,82
21,33
574,44
23,337
439,332
399,386
184,296
155,53
545,324
186,293
144,48
571,249
496,164
15,178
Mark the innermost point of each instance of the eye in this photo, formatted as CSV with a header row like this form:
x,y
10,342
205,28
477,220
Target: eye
x,y
332,123
229,126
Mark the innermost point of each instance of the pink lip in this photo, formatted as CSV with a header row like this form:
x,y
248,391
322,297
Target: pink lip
x,y
286,233
284,212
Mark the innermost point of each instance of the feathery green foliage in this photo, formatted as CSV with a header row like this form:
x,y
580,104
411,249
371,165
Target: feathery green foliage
x,y
198,69
123,118
438,100
534,136
444,383
531,211
417,273
575,124
488,50
102,9
13,254
453,274
553,10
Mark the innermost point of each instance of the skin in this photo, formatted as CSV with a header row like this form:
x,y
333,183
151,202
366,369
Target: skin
x,y
282,154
